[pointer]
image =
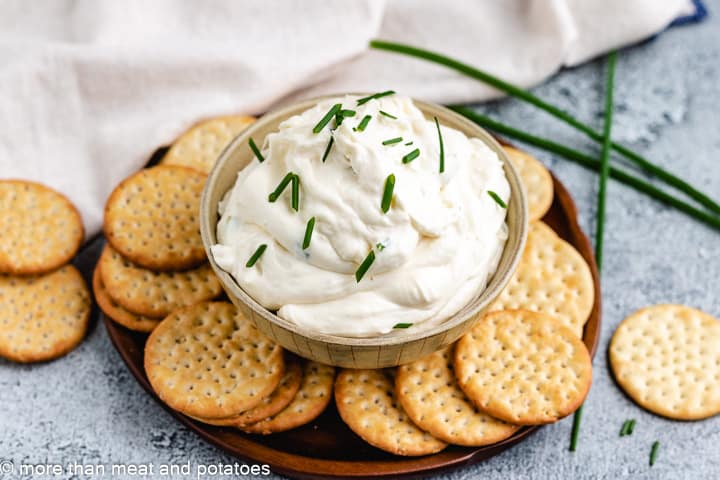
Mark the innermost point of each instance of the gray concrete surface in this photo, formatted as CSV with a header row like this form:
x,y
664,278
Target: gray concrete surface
x,y
87,408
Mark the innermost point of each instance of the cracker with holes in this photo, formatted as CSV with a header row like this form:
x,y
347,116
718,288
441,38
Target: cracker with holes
x,y
536,179
155,294
43,316
553,278
309,402
273,403
201,145
367,403
431,397
116,312
523,367
151,218
667,359
209,361
41,229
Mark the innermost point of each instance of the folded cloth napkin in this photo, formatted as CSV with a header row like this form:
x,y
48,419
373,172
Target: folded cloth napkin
x,y
90,88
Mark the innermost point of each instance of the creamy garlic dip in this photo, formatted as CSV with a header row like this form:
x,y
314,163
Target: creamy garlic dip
x,y
434,249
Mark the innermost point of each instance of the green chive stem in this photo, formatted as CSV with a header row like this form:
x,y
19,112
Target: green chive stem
x,y
408,144
364,266
326,119
624,428
388,193
327,149
296,193
497,199
375,96
654,452
411,156
308,233
256,150
528,97
392,140
589,163
442,147
363,123
631,427
604,160
575,430
403,325
388,115
256,256
281,186
347,113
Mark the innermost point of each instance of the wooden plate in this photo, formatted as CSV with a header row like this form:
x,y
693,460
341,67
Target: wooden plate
x,y
327,447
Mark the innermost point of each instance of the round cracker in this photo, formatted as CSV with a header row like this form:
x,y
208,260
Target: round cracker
x,y
523,367
667,359
431,397
155,294
367,403
209,361
43,317
151,218
309,402
41,228
551,277
536,179
270,405
201,145
116,312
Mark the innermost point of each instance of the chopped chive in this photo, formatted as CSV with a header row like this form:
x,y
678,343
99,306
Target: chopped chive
x,y
326,119
497,199
576,428
653,452
392,140
347,113
403,325
256,256
364,266
308,233
442,147
281,186
388,193
256,150
338,120
363,123
411,156
631,427
295,192
388,115
327,149
408,144
375,96
624,428
380,246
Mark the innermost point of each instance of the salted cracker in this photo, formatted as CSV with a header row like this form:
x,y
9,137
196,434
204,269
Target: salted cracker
x,y
536,179
116,312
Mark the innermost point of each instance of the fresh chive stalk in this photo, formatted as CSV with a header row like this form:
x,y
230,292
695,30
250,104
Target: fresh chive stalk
x,y
497,199
392,141
631,427
375,96
308,233
363,123
327,149
347,113
281,186
388,193
654,452
256,256
528,97
442,147
624,428
403,325
256,150
388,115
326,119
295,193
589,163
411,156
364,266
576,428
408,144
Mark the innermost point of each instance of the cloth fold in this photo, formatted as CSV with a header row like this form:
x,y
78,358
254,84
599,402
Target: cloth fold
x,y
90,88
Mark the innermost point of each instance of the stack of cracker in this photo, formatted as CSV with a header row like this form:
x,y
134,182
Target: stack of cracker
x,y
44,302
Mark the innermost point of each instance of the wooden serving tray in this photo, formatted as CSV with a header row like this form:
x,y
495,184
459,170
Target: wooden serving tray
x,y
327,447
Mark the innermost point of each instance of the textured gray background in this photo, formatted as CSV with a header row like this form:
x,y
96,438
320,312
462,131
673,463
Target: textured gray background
x,y
87,408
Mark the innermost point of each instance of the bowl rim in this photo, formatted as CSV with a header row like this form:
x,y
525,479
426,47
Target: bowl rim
x,y
495,285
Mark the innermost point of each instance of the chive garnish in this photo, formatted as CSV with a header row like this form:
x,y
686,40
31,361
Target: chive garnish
x,y
624,428
256,256
653,452
576,428
281,186
347,113
497,198
408,144
403,325
363,123
631,427
308,233
364,266
411,156
327,149
380,246
326,119
295,192
375,96
442,147
392,140
256,150
388,115
388,193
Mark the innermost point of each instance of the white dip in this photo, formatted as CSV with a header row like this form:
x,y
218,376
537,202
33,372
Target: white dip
x,y
434,249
